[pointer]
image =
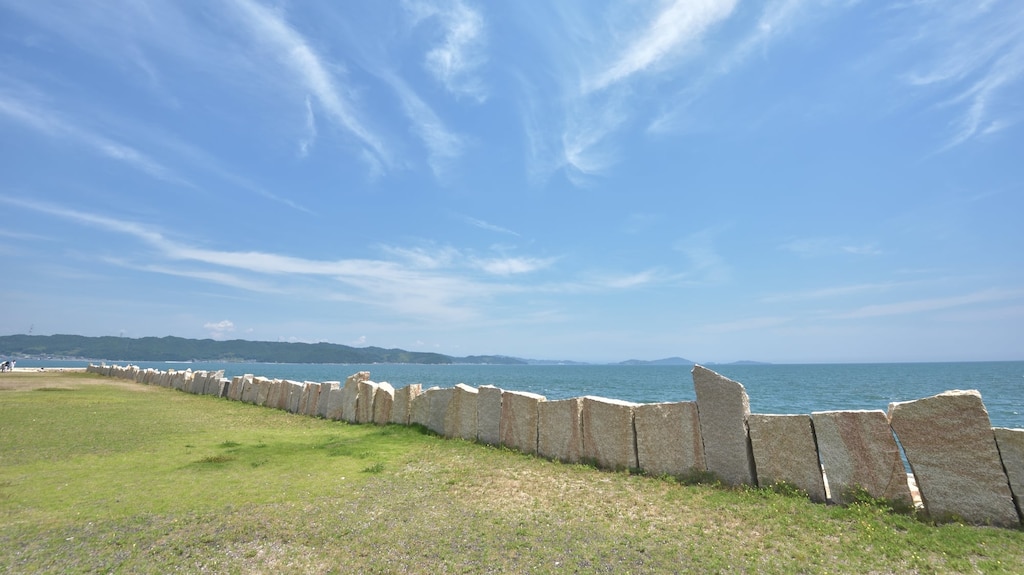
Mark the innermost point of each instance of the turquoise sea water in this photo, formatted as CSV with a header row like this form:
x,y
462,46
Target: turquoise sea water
x,y
772,388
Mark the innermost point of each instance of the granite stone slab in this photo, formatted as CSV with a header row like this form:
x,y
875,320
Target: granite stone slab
x,y
488,414
723,407
609,438
519,420
785,451
668,438
560,429
951,448
858,451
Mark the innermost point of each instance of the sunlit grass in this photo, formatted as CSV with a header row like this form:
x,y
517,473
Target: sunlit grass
x,y
131,478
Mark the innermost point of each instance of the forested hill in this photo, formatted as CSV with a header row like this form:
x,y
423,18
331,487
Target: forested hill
x,y
180,349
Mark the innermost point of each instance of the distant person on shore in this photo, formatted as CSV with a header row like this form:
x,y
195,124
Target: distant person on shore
x,y
6,366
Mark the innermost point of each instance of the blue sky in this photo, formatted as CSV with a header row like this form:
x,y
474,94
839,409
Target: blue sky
x,y
785,181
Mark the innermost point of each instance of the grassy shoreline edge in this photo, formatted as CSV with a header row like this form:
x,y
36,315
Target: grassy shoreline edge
x,y
98,476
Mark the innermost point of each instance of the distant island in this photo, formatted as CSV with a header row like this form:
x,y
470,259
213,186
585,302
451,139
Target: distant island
x,y
181,349
666,361
172,348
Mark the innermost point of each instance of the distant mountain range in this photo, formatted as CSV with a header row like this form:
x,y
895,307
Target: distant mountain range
x,y
180,349
172,348
666,361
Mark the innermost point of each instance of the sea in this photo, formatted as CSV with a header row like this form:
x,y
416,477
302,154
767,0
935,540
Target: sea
x,y
773,388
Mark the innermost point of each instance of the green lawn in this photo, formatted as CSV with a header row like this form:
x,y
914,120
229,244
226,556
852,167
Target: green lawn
x,y
98,475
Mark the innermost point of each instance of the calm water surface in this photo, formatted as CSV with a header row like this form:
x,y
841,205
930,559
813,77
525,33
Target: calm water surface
x,y
772,388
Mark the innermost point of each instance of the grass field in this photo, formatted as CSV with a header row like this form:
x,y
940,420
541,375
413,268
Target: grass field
x,y
104,476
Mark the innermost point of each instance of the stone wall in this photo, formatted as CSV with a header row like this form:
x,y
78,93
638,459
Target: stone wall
x,y
962,467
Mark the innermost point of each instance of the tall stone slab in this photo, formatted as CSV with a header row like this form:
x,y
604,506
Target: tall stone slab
x,y
439,400
214,386
401,409
364,407
278,398
383,403
1011,451
858,451
951,448
519,420
263,388
419,408
723,408
250,389
460,419
295,389
560,429
313,390
609,438
235,389
335,403
488,415
785,451
323,403
350,395
668,438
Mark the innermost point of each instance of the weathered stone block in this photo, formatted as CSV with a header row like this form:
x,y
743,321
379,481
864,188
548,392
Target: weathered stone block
x,y
278,397
264,386
383,403
460,419
401,409
419,408
313,390
235,388
519,420
439,399
334,407
213,383
295,389
350,395
858,451
609,438
250,389
1011,451
488,415
323,402
364,406
784,451
668,438
560,429
949,443
723,408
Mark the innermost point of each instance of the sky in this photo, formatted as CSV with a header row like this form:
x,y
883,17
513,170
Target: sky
x,y
788,181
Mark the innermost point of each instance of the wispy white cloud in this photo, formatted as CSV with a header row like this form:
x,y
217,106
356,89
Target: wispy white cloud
x,y
512,265
442,145
484,225
627,281
833,292
219,329
825,246
606,69
706,265
746,324
932,304
678,25
50,123
777,20
456,60
306,144
295,52
972,56
439,282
